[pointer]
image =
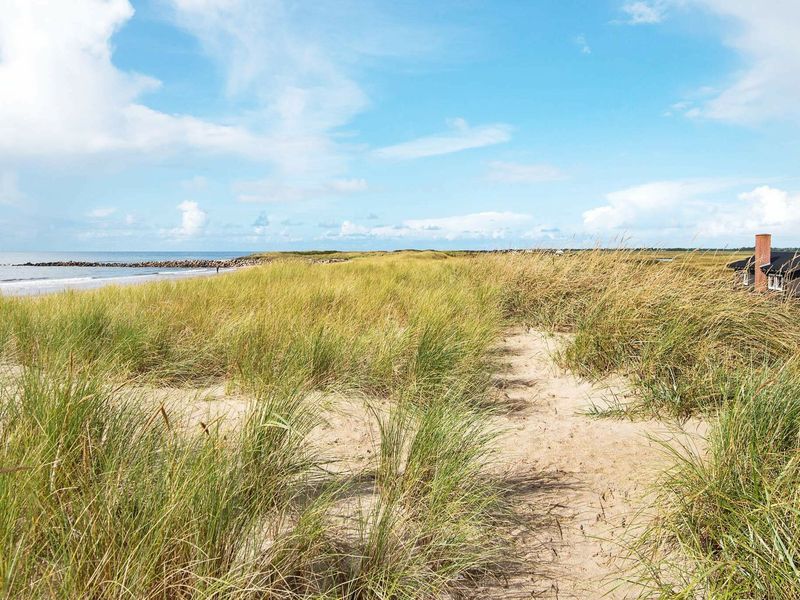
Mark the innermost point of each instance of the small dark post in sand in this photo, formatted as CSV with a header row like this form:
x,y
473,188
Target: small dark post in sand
x,y
217,269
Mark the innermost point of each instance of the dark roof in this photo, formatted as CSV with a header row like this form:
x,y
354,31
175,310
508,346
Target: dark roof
x,y
739,265
784,263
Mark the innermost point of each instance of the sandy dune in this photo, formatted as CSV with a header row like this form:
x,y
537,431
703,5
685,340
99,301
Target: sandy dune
x,y
579,483
584,479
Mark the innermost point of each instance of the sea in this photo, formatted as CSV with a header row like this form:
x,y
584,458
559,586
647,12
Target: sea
x,y
32,281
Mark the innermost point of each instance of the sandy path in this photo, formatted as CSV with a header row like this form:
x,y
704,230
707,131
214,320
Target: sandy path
x,y
577,482
581,480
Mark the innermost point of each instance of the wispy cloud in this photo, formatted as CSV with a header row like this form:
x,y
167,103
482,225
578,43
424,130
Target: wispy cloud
x,y
767,88
511,172
289,72
583,44
644,12
483,225
198,183
269,190
460,136
101,213
9,188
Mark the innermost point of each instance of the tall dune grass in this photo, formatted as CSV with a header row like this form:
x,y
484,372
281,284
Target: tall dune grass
x,y
692,343
102,496
373,325
682,332
730,525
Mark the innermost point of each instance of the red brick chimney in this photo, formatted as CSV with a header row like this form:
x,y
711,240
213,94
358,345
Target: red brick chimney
x,y
763,257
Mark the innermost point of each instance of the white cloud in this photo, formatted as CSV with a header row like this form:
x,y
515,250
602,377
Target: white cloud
x,y
511,172
703,208
270,50
261,224
62,95
583,44
282,60
763,209
648,205
483,225
193,220
287,68
764,33
101,213
644,12
461,136
273,191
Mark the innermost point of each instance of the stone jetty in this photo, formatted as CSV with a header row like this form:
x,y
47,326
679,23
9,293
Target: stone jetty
x,y
193,263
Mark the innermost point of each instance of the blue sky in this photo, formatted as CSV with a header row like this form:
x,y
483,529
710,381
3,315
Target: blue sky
x,y
270,124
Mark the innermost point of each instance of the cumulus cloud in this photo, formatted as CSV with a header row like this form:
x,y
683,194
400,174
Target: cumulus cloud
x,y
763,209
647,204
62,94
706,209
287,69
460,136
261,224
193,220
483,225
511,172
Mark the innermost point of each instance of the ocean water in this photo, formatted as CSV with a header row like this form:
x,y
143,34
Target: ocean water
x,y
27,281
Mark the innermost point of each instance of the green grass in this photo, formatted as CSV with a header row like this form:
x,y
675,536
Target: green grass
x,y
370,325
683,334
692,344
103,495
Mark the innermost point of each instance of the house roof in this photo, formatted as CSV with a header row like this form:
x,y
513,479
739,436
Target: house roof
x,y
783,263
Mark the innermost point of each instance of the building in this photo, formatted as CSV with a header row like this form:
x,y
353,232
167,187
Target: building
x,y
768,271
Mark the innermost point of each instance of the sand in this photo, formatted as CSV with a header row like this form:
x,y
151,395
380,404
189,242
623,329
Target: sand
x,y
580,484
586,482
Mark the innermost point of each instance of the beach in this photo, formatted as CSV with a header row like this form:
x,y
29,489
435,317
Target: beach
x,y
39,287
40,273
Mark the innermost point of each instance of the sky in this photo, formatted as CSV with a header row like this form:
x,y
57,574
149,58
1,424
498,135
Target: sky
x,y
193,125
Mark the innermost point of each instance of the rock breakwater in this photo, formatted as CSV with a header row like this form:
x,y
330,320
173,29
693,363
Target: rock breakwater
x,y
194,263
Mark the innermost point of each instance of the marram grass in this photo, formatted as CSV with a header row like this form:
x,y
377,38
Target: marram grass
x,y
101,498
373,325
692,343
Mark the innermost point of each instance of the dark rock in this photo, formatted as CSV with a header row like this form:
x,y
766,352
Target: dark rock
x,y
195,263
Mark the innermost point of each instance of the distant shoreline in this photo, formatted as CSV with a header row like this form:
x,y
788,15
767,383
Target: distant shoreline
x,y
43,287
194,263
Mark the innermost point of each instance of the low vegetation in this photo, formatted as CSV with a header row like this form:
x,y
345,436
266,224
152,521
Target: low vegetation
x,y
101,496
691,344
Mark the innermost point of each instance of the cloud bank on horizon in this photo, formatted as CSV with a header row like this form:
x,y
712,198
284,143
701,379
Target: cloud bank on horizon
x,y
249,124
